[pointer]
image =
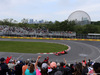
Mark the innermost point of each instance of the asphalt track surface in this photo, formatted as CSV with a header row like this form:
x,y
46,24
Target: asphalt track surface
x,y
79,50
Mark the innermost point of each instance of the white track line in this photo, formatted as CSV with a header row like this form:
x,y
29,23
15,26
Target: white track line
x,y
20,56
91,46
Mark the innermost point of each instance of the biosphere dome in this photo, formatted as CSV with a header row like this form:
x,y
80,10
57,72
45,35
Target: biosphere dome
x,y
80,18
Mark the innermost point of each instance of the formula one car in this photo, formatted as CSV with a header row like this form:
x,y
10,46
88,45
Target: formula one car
x,y
60,53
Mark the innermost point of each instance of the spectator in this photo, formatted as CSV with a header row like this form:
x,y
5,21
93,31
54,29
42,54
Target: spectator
x,y
89,66
77,70
89,61
46,60
72,68
84,69
25,67
8,59
30,71
53,67
62,69
96,68
11,67
18,68
44,68
39,65
84,61
3,67
58,65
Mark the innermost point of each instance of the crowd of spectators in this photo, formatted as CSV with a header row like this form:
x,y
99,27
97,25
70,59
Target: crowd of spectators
x,y
12,30
10,66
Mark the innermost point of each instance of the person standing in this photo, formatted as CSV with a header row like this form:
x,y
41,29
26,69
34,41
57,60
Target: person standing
x,y
3,67
30,70
25,67
44,68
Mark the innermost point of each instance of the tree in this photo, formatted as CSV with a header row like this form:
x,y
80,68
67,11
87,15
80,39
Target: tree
x,y
90,29
79,29
24,21
6,22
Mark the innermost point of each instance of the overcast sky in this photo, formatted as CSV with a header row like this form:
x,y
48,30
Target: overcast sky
x,y
49,10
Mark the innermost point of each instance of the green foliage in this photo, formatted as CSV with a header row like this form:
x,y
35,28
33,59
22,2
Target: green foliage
x,y
79,29
96,23
90,29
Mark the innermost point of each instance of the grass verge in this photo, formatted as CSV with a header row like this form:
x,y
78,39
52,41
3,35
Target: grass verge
x,y
30,47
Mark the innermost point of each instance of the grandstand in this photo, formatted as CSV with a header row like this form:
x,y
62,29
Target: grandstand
x,y
93,36
18,31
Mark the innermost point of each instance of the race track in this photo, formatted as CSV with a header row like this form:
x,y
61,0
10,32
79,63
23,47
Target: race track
x,y
79,50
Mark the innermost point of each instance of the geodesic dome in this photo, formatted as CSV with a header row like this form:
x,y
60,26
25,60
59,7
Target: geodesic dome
x,y
80,18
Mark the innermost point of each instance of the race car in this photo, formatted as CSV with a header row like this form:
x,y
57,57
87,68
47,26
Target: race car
x,y
60,53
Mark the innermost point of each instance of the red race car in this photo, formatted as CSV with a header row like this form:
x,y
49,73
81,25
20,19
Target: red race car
x,y
60,53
